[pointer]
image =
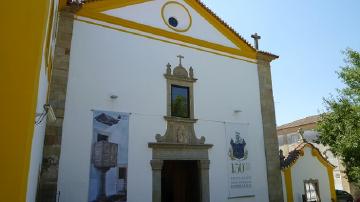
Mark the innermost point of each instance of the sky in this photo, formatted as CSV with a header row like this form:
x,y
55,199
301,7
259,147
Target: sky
x,y
308,35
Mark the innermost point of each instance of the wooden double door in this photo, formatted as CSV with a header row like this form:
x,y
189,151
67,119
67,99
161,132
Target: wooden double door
x,y
180,181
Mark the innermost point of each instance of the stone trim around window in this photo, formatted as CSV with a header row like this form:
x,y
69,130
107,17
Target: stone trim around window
x,y
180,77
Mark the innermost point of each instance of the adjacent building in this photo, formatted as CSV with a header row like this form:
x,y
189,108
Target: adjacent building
x,y
307,175
289,137
27,45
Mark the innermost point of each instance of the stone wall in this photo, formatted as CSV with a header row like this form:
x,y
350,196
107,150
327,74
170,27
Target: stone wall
x,y
269,128
47,187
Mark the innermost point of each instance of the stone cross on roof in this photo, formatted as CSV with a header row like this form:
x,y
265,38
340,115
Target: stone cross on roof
x,y
180,57
256,38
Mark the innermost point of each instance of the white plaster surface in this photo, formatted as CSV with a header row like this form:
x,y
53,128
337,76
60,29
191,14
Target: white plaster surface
x,y
39,130
140,13
306,167
290,141
38,138
104,62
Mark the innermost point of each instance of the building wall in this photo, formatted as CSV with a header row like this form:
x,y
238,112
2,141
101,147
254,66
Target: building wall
x,y
284,186
105,62
288,142
38,139
306,167
154,19
23,87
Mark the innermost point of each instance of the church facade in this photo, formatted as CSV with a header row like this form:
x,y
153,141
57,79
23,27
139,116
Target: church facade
x,y
165,102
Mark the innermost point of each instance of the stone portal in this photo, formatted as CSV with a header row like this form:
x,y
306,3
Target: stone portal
x,y
180,160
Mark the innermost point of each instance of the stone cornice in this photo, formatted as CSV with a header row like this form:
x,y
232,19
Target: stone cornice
x,y
265,56
180,78
165,145
179,119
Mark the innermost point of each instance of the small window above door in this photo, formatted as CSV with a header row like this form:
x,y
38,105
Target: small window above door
x,y
180,103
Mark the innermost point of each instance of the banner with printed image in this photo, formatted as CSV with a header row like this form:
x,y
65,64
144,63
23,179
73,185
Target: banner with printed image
x,y
239,160
109,157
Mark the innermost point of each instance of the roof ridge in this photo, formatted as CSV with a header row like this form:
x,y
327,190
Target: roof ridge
x,y
294,155
299,123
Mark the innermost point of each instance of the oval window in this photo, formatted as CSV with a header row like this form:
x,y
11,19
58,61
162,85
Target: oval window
x,y
176,16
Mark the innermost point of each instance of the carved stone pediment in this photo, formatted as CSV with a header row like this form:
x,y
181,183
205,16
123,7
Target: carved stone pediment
x,y
180,130
180,73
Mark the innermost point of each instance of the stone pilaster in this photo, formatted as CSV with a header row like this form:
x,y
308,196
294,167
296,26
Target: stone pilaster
x,y
204,166
269,127
156,166
47,188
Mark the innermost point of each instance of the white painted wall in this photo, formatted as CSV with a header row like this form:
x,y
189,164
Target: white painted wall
x,y
198,28
38,138
288,142
39,129
105,61
306,167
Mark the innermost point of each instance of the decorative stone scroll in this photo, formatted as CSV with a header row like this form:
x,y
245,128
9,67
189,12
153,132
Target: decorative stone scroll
x,y
180,130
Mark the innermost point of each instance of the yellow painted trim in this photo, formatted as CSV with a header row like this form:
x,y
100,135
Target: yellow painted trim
x,y
100,6
166,41
331,183
49,82
221,27
62,4
329,167
166,22
49,31
288,184
93,10
30,125
318,155
22,47
163,33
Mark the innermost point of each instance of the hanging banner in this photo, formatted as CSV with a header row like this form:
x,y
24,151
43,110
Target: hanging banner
x,y
109,157
239,160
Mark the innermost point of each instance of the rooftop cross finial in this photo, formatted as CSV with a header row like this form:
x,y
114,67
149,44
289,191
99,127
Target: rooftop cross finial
x,y
256,38
301,132
180,57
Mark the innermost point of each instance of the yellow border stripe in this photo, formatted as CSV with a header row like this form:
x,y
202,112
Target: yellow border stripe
x,y
329,167
100,6
166,41
93,10
163,33
288,184
220,26
332,183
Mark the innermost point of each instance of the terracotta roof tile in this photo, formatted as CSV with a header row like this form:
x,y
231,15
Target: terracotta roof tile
x,y
294,155
300,122
269,54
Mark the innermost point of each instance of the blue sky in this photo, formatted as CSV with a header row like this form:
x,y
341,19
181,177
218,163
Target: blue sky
x,y
308,35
